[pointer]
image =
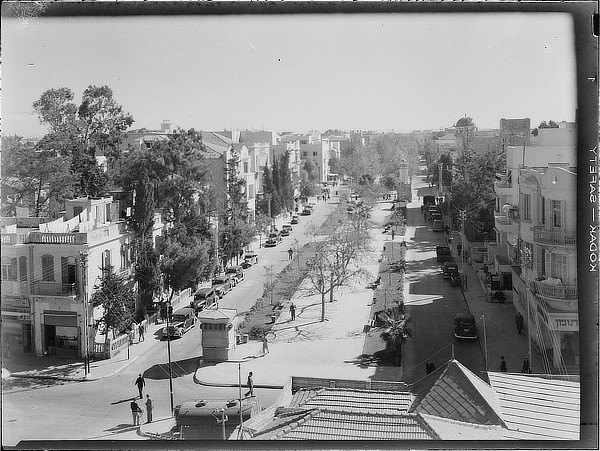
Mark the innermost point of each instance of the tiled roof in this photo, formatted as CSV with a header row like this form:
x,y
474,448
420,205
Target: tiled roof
x,y
382,402
213,150
457,430
538,408
452,391
320,424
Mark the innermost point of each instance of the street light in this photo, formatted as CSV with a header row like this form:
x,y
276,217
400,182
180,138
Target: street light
x,y
169,354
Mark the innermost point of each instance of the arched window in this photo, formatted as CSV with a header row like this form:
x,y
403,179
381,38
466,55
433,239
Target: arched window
x,y
48,268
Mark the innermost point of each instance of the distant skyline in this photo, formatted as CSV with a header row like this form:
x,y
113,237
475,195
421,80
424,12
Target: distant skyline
x,y
298,72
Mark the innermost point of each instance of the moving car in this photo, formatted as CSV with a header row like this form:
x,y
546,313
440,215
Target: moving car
x,y
237,272
181,321
295,219
204,298
465,326
221,285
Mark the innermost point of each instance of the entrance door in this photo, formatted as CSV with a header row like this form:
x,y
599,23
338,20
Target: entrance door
x,y
50,339
26,337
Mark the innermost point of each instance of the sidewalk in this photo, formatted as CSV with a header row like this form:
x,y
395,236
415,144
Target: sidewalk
x,y
498,320
62,368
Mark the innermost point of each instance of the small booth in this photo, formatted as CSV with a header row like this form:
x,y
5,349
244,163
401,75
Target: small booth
x,y
218,333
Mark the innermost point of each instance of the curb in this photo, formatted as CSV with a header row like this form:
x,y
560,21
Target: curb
x,y
215,384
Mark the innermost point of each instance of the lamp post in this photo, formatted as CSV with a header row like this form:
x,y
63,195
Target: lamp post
x,y
83,258
169,355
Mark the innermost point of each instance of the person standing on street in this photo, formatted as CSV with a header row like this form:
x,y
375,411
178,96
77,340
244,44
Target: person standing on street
x,y
135,412
293,311
149,407
519,321
502,364
250,385
290,253
141,333
265,350
526,368
393,234
141,383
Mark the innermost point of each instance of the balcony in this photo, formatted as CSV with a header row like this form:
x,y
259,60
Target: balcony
x,y
559,297
554,237
54,288
506,224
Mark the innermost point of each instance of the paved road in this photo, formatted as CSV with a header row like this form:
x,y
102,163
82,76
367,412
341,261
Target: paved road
x,y
99,410
432,303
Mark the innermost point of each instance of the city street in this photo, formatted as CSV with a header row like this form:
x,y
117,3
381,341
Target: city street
x,y
99,409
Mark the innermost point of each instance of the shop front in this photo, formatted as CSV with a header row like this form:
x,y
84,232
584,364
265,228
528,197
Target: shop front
x,y
16,326
60,334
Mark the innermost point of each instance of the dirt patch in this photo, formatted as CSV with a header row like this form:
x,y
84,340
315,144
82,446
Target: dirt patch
x,y
259,319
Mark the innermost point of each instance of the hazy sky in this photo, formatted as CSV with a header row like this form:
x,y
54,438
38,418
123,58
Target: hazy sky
x,y
298,72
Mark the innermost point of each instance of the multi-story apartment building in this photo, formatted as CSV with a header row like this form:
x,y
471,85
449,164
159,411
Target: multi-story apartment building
x,y
49,270
535,240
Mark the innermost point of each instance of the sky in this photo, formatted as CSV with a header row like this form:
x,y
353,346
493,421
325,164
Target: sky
x,y
297,72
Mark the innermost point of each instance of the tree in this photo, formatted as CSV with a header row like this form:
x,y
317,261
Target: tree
x,y
33,177
117,301
337,259
395,333
544,124
311,169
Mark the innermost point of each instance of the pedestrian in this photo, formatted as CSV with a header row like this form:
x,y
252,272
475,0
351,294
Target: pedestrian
x,y
447,230
290,253
147,318
170,311
293,311
459,248
485,269
526,367
250,385
265,345
519,321
141,333
393,234
135,412
429,367
141,383
149,407
328,196
502,364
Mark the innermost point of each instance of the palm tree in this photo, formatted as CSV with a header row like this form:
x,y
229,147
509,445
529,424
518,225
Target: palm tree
x,y
395,333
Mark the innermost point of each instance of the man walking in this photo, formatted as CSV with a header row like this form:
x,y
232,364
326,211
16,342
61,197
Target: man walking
x,y
141,333
293,311
290,253
393,234
526,368
141,383
250,385
135,412
502,364
149,407
519,321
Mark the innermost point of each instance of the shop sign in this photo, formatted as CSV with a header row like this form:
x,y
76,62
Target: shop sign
x,y
564,322
18,303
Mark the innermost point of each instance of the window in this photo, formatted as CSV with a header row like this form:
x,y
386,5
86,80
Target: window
x,y
304,154
23,269
105,261
246,167
526,207
543,213
9,268
314,154
48,268
560,268
557,214
124,256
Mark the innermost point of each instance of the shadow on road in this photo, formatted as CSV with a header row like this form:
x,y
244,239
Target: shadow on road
x,y
119,428
179,368
124,400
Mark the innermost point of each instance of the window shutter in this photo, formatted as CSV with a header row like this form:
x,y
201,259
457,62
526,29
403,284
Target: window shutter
x,y
547,263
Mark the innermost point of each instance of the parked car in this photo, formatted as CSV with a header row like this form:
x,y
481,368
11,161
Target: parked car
x,y
449,269
222,285
294,220
443,253
250,258
271,242
237,272
204,298
438,225
465,326
306,212
276,235
287,227
285,232
181,321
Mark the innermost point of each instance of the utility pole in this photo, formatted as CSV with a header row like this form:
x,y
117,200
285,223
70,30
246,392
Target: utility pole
x,y
463,218
241,433
83,259
169,355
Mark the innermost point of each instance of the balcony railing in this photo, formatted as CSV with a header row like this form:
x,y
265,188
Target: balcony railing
x,y
502,184
557,237
54,288
560,297
504,220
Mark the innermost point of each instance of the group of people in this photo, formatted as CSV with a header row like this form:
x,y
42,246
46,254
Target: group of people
x,y
136,410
